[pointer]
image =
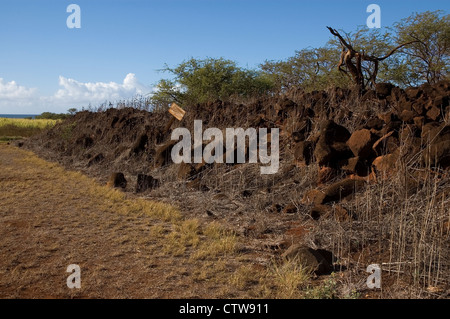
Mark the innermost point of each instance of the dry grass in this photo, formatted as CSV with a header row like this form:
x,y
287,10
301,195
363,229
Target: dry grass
x,y
127,247
11,129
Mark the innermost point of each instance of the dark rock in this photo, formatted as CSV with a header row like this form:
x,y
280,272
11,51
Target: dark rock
x,y
303,152
437,155
316,261
117,180
140,144
407,116
145,182
383,89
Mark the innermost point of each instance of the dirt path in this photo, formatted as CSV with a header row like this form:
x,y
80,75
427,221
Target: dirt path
x,y
51,218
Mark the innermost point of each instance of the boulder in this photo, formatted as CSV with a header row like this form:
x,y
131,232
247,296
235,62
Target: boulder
x,y
313,196
145,182
385,165
331,148
407,116
117,180
303,152
361,143
331,155
317,261
383,89
437,155
163,154
433,113
355,165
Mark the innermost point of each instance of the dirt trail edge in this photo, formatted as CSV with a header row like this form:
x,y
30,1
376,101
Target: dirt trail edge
x,y
126,247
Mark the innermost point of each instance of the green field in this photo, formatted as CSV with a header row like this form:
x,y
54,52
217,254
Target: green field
x,y
13,129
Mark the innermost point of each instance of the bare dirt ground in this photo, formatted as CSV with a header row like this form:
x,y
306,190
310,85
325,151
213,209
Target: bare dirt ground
x,y
51,218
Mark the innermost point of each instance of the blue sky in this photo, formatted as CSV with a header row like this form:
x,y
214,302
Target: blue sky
x,y
45,66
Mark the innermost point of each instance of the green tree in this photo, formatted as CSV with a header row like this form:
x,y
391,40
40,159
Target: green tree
x,y
198,81
428,59
72,111
311,69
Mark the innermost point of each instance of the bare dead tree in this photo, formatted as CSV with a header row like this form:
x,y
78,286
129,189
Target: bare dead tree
x,y
351,62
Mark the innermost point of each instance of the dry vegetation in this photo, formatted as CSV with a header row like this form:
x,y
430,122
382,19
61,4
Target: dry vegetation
x,y
13,129
127,247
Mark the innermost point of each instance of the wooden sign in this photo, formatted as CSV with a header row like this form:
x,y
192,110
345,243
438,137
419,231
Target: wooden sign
x,y
177,111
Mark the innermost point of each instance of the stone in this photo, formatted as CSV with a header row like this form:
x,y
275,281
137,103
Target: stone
x,y
361,143
317,261
383,89
433,113
117,180
163,153
407,116
355,165
385,165
303,152
437,155
145,182
313,196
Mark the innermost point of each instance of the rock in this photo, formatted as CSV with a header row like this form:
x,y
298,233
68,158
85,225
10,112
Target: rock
x,y
407,116
140,144
117,180
383,89
385,165
303,152
361,143
419,121
433,113
316,261
331,148
331,132
413,93
313,196
163,154
437,155
145,182
355,165
342,189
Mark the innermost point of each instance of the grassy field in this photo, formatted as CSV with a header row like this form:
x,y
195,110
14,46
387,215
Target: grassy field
x,y
13,129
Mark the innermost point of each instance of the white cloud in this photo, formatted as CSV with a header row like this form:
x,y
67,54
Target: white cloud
x,y
72,93
13,92
75,92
